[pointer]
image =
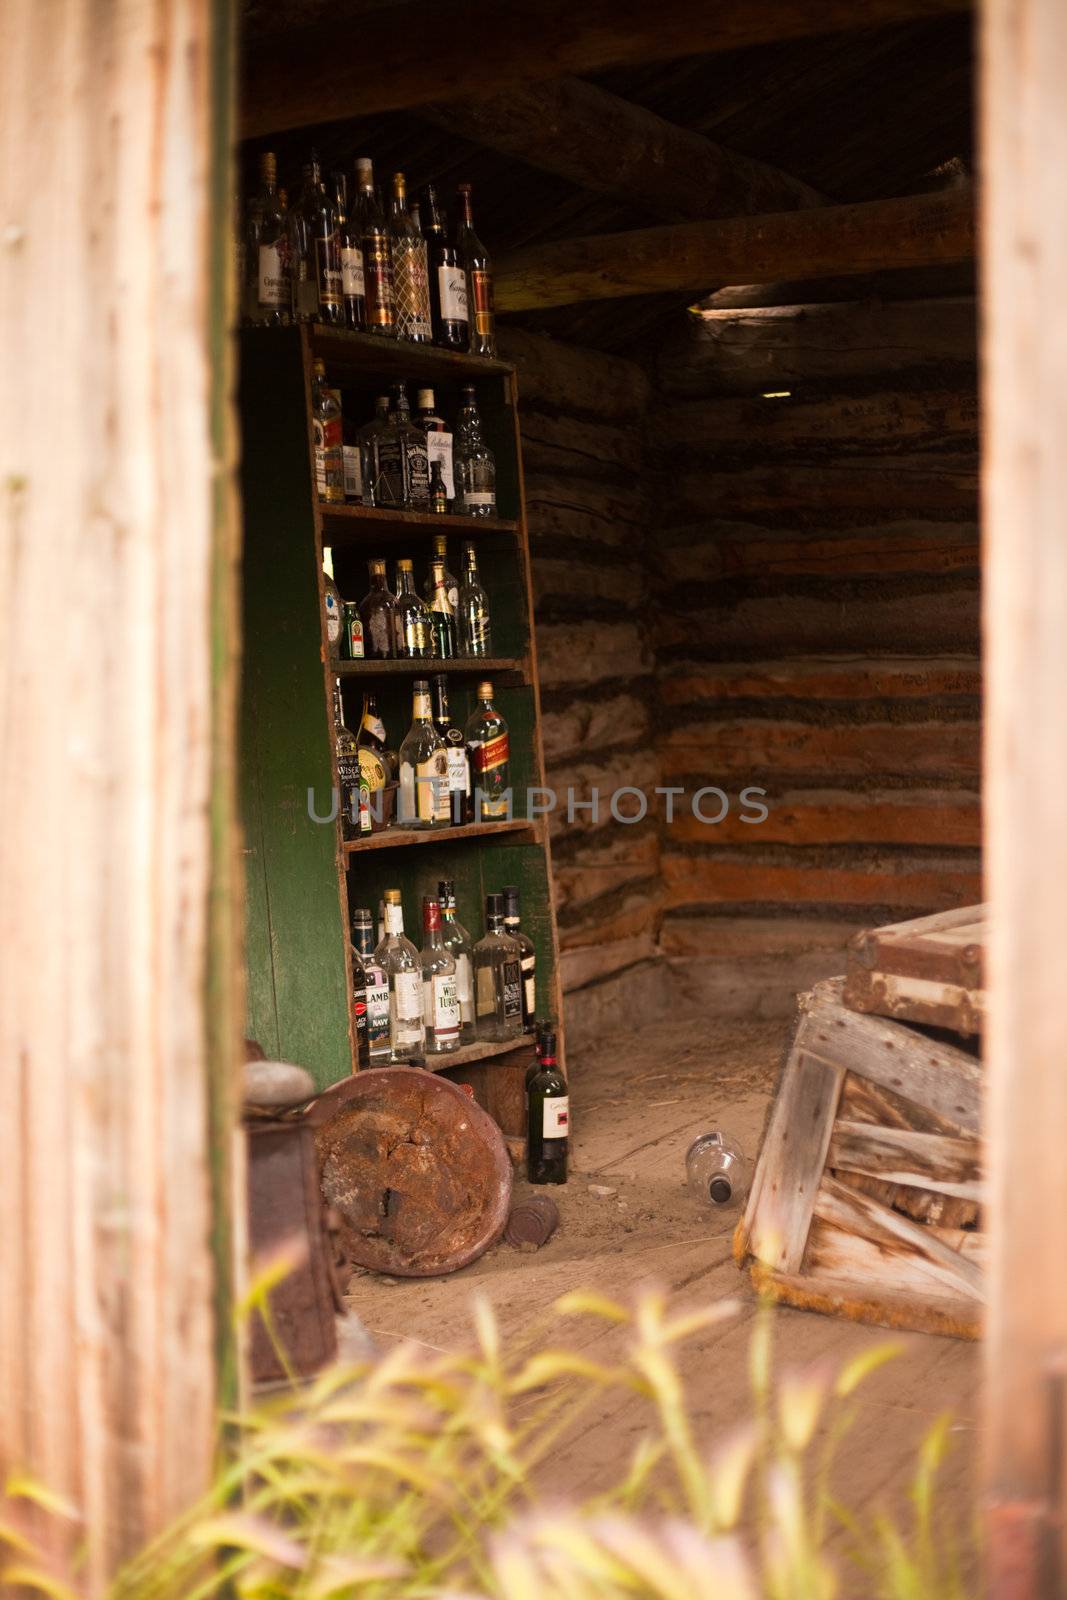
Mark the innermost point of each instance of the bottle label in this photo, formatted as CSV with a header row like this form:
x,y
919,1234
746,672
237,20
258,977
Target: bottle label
x,y
375,727
441,1001
479,500
418,470
353,471
411,289
459,777
377,1013
529,986
333,618
431,788
328,262
348,784
378,280
464,991
439,448
329,478
452,292
389,485
556,1117
492,755
482,296
273,278
511,990
353,635
352,272
405,1011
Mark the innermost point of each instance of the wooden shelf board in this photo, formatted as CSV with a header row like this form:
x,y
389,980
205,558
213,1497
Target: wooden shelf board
x,y
399,359
397,838
470,666
346,522
467,1054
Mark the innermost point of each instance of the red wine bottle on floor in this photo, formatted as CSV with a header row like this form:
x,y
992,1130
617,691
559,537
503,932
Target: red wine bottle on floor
x,y
547,1118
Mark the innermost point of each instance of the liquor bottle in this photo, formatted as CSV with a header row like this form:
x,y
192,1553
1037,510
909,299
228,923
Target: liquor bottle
x,y
475,464
438,437
423,766
475,633
540,1028
377,765
440,553
458,941
369,435
390,486
448,278
486,734
512,920
476,264
438,493
324,248
332,606
352,646
547,1118
377,611
376,987
497,978
353,291
411,284
442,617
400,962
373,233
326,422
440,992
301,254
459,772
348,773
273,294
359,1007
409,441
414,635
372,734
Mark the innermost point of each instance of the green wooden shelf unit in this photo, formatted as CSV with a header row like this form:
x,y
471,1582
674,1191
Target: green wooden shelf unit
x,y
301,876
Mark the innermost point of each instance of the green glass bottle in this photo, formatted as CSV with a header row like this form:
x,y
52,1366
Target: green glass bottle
x,y
547,1118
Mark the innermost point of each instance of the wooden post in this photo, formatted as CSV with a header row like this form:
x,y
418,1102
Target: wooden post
x,y
117,643
1024,265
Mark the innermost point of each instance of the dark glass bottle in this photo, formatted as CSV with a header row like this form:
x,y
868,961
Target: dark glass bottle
x,y
459,771
377,611
479,270
270,240
375,987
540,1029
352,286
448,278
547,1118
377,259
488,747
442,616
411,287
512,923
324,247
414,637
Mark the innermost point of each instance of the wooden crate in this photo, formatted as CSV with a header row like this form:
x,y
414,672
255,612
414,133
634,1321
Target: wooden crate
x,y
930,970
867,1193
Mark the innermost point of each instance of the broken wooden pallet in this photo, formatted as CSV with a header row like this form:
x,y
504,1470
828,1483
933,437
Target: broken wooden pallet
x,y
929,970
867,1194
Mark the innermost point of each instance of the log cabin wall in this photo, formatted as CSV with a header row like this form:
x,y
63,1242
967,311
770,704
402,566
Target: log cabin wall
x,y
583,416
816,633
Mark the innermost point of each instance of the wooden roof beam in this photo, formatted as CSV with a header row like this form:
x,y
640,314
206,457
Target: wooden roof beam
x,y
610,146
917,231
334,70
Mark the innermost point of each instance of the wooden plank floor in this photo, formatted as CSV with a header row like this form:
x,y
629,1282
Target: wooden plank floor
x,y
637,1103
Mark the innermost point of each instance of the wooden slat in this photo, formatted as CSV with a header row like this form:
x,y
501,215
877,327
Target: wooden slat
x,y
844,678
918,230
744,749
958,1317
897,1238
952,1166
703,551
798,817
935,418
699,880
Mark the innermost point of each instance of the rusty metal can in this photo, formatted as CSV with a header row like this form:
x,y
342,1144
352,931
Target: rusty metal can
x,y
533,1221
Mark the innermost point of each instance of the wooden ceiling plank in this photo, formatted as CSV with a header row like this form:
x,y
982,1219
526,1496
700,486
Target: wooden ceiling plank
x,y
367,65
916,231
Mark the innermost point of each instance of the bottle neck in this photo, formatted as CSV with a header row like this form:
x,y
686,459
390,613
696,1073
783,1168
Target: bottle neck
x,y
494,923
338,708
466,215
440,703
377,580
431,923
394,919
420,706
405,581
511,921
363,939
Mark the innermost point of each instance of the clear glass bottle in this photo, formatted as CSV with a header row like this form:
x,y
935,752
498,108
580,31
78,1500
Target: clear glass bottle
x,y
377,766
411,282
326,427
375,987
414,633
486,734
448,278
497,978
348,773
478,267
547,1118
423,793
410,444
353,291
458,941
459,772
301,254
475,464
332,606
442,616
716,1169
324,248
475,629
440,553
439,441
512,925
402,966
440,994
369,436
273,293
377,612
373,233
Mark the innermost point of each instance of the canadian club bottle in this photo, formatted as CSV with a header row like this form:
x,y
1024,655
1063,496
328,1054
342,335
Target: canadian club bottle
x,y
547,1118
377,261
439,988
459,772
512,921
375,987
411,284
476,264
487,743
448,278
349,799
497,978
273,292
348,233
325,248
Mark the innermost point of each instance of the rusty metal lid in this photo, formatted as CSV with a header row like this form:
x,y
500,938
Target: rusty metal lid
x,y
533,1220
417,1172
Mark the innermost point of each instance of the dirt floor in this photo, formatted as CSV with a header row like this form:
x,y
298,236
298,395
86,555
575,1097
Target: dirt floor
x,y
628,1221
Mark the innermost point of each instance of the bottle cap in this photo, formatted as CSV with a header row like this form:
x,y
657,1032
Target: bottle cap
x,y
392,897
547,1046
400,183
494,906
420,686
268,164
424,399
376,564
361,914
319,368
446,890
485,690
404,565
365,170
431,913
463,188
